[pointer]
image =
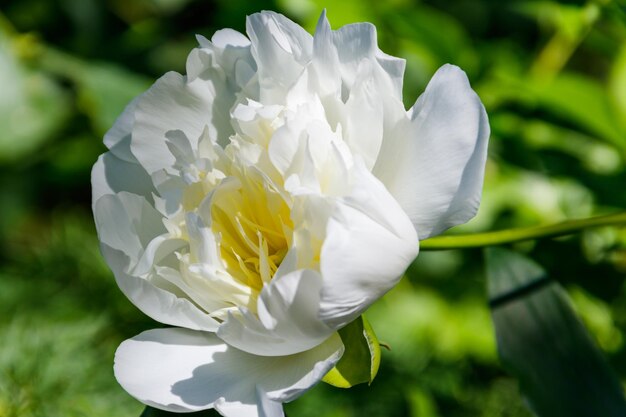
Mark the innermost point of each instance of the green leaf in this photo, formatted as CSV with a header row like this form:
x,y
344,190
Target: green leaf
x,y
33,107
561,97
541,341
104,90
564,95
361,358
154,412
617,84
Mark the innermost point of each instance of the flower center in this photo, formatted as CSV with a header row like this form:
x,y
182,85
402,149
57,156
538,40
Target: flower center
x,y
253,222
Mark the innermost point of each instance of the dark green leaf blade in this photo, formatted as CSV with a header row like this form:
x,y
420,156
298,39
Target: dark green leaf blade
x,y
542,342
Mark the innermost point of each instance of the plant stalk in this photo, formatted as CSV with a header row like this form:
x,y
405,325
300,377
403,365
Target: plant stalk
x,y
501,237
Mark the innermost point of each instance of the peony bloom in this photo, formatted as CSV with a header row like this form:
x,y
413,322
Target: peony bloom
x,y
267,199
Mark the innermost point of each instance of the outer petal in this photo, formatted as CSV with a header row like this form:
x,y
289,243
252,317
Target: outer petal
x,y
364,115
227,56
370,242
173,103
127,222
356,42
119,170
436,172
325,63
281,50
117,139
182,370
111,175
338,55
161,304
288,319
127,225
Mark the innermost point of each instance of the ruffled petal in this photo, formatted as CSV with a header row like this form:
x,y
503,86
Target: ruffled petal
x,y
225,38
173,103
436,171
127,222
118,170
159,302
325,64
182,371
127,225
281,50
337,56
357,42
370,242
117,139
111,175
364,115
226,56
288,317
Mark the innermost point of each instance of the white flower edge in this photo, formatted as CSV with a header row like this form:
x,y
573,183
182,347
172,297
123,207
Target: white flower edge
x,y
182,370
436,173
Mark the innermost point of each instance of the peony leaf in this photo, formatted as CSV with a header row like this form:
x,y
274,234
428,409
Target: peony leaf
x,y
361,359
33,107
541,342
104,91
617,84
596,117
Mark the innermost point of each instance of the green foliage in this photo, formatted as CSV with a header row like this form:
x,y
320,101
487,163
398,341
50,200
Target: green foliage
x,y
552,75
61,322
32,105
541,341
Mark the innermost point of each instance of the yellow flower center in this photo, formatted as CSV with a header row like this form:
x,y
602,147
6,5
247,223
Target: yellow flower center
x,y
254,225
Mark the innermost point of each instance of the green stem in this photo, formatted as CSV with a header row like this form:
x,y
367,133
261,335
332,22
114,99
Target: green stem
x,y
502,237
563,44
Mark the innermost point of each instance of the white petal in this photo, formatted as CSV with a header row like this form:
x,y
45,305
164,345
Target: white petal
x,y
337,56
284,144
394,67
364,115
127,222
111,175
200,274
226,56
117,139
354,43
370,242
172,103
288,320
127,225
162,305
325,63
228,37
267,406
281,50
436,172
182,370
119,170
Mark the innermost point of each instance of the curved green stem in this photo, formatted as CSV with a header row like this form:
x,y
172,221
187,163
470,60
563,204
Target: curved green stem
x,y
501,237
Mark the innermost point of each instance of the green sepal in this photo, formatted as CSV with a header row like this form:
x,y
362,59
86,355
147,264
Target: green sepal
x,y
361,359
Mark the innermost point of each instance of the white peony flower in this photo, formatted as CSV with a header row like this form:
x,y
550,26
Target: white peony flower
x,y
267,199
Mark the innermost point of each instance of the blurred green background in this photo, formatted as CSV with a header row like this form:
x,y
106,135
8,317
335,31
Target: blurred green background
x,y
551,74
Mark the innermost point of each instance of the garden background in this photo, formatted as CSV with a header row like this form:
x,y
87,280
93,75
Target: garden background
x,y
552,76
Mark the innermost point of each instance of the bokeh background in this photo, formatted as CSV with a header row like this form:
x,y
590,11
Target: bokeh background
x,y
551,74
